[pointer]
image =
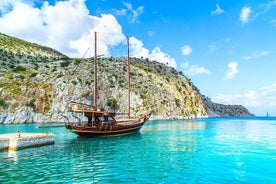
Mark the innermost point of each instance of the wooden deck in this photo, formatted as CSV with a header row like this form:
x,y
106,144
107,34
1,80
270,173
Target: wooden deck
x,y
20,140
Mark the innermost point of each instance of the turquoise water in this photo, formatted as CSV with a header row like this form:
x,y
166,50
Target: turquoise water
x,y
215,150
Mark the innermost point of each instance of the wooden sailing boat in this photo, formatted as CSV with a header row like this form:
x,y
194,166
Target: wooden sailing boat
x,y
100,122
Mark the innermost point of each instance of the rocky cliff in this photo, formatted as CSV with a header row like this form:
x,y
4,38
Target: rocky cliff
x,y
215,109
37,83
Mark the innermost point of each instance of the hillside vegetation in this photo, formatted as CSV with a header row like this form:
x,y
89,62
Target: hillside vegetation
x,y
37,83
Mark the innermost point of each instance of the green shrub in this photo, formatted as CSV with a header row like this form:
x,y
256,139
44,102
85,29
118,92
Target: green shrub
x,y
88,83
33,74
86,95
121,85
77,61
30,103
146,68
183,84
112,103
12,66
60,75
139,66
143,95
132,73
64,64
177,102
178,88
35,66
2,103
74,82
19,69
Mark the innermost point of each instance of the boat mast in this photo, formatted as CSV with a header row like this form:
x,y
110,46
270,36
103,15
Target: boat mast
x,y
95,71
128,77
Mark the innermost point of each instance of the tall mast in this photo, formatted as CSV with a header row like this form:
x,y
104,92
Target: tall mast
x,y
128,77
95,72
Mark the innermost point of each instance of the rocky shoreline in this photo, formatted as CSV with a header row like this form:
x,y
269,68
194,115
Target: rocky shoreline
x,y
27,115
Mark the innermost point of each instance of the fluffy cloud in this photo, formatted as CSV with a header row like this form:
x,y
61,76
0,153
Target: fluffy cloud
x,y
217,11
186,50
162,57
255,100
137,50
244,15
68,27
109,34
19,18
232,70
193,69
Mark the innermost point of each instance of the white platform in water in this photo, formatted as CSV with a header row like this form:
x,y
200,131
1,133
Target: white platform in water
x,y
16,141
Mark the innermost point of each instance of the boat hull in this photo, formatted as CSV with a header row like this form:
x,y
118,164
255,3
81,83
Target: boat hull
x,y
121,128
91,132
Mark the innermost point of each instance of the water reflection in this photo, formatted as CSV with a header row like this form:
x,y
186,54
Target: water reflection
x,y
174,125
13,155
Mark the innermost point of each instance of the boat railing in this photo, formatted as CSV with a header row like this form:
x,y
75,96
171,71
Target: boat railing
x,y
75,106
82,123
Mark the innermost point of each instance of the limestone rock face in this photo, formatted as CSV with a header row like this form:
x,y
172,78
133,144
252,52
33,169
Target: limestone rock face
x,y
37,83
215,109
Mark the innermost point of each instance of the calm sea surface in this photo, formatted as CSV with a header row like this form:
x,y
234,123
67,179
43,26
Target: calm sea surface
x,y
214,150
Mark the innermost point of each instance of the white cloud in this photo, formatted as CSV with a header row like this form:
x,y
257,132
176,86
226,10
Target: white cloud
x,y
232,70
20,19
162,57
66,22
109,34
68,27
57,26
186,50
244,15
137,50
133,14
193,69
256,54
258,101
217,11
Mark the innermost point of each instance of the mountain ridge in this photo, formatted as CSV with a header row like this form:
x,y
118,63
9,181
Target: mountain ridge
x,y
37,82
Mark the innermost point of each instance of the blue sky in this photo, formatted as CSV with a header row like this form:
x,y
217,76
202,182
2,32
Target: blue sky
x,y
226,48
